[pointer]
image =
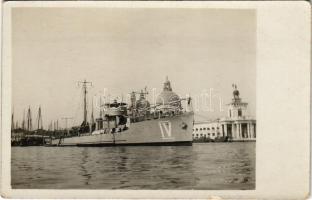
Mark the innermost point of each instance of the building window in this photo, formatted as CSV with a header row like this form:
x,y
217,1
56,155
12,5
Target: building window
x,y
200,129
196,129
212,128
213,134
208,134
208,129
201,135
204,128
239,112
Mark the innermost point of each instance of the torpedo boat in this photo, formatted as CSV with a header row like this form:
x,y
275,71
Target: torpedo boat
x,y
139,123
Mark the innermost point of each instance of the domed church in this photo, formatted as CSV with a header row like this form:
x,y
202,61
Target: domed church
x,y
167,97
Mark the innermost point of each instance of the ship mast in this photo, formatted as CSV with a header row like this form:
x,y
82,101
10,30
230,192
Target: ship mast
x,y
85,84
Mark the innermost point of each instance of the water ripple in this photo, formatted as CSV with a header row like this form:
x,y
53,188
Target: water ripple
x,y
214,166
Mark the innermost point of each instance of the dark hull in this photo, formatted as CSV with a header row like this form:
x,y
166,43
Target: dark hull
x,y
184,143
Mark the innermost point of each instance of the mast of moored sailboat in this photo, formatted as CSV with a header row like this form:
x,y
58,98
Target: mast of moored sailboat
x,y
29,120
39,119
85,84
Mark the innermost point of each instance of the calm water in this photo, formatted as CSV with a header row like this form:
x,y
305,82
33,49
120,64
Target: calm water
x,y
201,166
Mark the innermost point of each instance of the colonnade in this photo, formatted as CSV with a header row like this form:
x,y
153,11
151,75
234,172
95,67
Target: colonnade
x,y
239,130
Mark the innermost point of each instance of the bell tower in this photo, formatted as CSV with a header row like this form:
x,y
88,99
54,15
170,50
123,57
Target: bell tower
x,y
237,108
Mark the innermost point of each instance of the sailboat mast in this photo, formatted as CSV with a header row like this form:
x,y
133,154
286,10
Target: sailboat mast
x,y
12,121
84,88
92,116
101,107
29,120
39,119
23,123
85,102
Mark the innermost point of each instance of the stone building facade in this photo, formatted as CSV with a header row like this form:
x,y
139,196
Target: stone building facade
x,y
236,126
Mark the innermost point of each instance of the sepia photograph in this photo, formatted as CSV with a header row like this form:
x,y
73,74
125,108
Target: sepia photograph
x,y
140,97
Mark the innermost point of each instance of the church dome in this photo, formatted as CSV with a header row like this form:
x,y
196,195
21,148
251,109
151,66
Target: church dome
x,y
167,96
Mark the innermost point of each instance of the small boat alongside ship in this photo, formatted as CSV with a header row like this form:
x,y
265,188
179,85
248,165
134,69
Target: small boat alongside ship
x,y
139,123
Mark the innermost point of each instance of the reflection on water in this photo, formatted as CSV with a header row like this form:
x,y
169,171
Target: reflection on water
x,y
215,166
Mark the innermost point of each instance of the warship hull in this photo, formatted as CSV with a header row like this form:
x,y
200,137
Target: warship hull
x,y
166,131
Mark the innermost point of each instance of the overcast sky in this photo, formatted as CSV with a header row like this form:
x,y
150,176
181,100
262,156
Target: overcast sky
x,y
127,49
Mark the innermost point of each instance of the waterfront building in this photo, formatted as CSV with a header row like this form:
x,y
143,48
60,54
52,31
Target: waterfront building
x,y
207,130
236,126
